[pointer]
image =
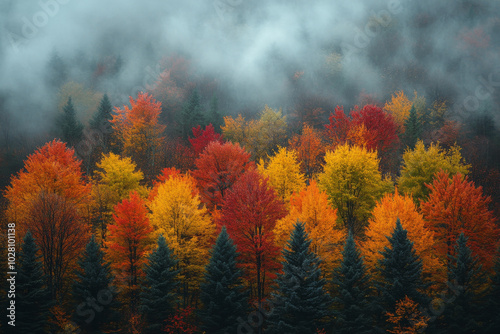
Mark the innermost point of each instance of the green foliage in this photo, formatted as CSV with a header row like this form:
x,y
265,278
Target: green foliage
x,y
214,116
191,114
413,129
222,295
301,302
158,297
70,128
353,305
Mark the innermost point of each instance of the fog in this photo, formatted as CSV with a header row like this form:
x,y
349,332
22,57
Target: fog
x,y
258,52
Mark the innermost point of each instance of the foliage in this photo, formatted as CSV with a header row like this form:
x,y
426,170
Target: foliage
x,y
181,323
300,301
70,128
455,205
353,183
407,319
201,138
283,172
85,100
420,165
413,130
222,295
399,107
191,114
310,150
492,309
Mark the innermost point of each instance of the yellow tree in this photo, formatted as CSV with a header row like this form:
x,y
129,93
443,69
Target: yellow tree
x,y
283,171
177,213
407,319
399,107
310,206
382,224
353,183
310,150
420,165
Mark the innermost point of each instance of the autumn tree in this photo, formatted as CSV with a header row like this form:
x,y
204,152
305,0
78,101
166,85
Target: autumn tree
x,y
218,168
421,163
250,211
310,150
70,128
283,172
407,318
399,107
127,244
139,131
301,304
390,208
201,138
310,206
455,205
353,183
177,213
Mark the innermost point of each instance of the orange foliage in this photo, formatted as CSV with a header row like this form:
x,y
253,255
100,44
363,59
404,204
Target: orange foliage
x,y
310,150
399,107
407,319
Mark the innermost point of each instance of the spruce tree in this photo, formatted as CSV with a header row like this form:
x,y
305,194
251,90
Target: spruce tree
x,y
401,272
94,296
158,287
353,311
222,295
301,304
32,297
71,129
214,114
103,115
191,114
413,129
492,311
464,281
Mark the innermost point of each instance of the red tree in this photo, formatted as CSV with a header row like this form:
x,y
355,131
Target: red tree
x,y
456,205
203,137
250,212
218,168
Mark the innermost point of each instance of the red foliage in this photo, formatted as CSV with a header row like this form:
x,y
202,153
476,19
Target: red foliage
x,y
203,137
250,212
219,166
178,155
338,128
181,322
456,205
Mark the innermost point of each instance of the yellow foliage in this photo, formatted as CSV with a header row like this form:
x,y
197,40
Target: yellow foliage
x,y
407,319
283,171
399,107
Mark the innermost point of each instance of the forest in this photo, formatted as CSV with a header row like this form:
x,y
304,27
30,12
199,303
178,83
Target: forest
x,y
250,167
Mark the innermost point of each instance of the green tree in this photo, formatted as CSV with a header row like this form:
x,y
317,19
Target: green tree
x,y
70,128
191,114
352,300
32,297
413,129
103,116
214,115
301,302
492,311
158,297
222,295
93,293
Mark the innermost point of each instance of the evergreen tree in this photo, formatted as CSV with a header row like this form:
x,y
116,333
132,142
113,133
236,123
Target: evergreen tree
x,y
101,123
157,289
215,115
71,129
32,297
352,300
57,72
401,271
93,294
464,281
413,129
191,114
301,305
222,295
492,311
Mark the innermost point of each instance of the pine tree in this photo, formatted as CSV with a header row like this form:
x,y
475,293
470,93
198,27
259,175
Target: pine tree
x,y
492,311
157,289
32,297
413,130
103,115
222,295
464,281
401,271
94,296
191,114
215,115
71,129
353,307
301,305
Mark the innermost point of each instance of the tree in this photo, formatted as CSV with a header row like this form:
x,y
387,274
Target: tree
x,y
127,244
218,168
139,131
413,129
353,307
456,205
301,304
93,292
222,294
465,277
214,114
101,122
177,213
250,211
201,138
191,114
70,128
158,297
283,171
310,150
401,272
390,208
407,319
32,297
399,107
420,165
492,309
57,71
310,206
353,183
